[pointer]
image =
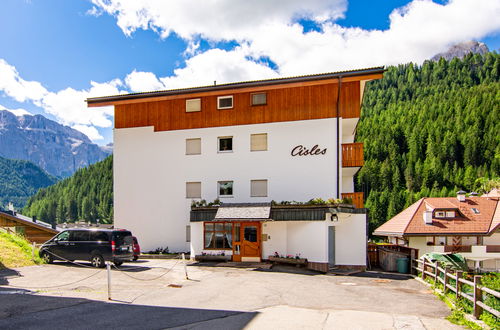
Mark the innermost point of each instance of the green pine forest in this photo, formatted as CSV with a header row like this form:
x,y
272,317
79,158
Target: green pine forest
x,y
19,179
428,130
87,195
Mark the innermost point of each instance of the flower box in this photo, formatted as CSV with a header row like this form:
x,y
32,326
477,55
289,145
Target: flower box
x,y
207,257
292,261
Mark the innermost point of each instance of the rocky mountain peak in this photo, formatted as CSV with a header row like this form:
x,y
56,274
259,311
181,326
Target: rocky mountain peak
x,y
461,49
60,150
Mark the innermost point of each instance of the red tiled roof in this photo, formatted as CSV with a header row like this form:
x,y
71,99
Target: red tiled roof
x,y
410,221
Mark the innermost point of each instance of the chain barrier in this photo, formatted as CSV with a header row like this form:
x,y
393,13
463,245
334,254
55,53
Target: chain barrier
x,y
55,286
67,260
151,279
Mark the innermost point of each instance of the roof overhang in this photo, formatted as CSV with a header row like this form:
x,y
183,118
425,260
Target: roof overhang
x,y
346,76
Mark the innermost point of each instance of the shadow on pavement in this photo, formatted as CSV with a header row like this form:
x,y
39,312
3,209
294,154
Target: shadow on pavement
x,y
383,275
29,311
5,273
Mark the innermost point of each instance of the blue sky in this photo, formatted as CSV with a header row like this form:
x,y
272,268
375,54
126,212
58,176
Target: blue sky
x,y
55,53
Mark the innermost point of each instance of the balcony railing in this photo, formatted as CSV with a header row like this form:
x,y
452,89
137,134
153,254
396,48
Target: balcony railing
x,y
458,248
492,248
352,155
357,199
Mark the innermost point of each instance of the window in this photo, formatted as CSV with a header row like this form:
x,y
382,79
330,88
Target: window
x,y
259,99
258,188
188,233
193,189
225,188
98,236
218,235
258,142
439,214
225,102
225,144
250,233
450,214
476,211
193,146
193,105
79,236
63,237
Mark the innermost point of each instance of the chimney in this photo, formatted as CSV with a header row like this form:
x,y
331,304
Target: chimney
x,y
34,218
461,196
428,217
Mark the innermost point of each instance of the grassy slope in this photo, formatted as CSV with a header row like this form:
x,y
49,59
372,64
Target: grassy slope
x,y
15,251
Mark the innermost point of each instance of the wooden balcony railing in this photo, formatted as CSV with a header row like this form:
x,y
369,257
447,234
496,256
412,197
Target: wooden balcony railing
x,y
458,248
352,155
357,199
492,248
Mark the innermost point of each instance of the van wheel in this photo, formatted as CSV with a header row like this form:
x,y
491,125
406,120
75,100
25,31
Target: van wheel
x,y
135,258
118,263
97,261
47,258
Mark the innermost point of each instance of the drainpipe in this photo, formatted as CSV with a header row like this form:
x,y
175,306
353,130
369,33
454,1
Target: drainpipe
x,y
338,136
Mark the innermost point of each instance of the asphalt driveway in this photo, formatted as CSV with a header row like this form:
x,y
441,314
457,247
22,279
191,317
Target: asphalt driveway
x,y
156,295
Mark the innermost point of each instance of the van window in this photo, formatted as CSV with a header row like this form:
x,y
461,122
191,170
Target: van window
x,y
99,236
79,236
122,237
63,237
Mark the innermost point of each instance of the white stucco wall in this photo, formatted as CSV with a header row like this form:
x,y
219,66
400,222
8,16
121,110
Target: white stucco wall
x,y
151,171
492,240
350,239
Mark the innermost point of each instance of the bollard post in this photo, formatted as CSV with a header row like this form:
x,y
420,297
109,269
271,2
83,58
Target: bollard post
x,y
423,270
185,267
33,247
108,267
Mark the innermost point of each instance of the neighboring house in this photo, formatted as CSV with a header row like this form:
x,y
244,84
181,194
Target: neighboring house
x,y
33,230
246,144
466,225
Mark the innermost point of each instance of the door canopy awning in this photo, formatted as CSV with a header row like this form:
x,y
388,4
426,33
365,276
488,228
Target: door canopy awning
x,y
243,212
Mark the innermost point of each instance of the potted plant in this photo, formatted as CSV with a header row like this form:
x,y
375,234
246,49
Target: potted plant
x,y
288,259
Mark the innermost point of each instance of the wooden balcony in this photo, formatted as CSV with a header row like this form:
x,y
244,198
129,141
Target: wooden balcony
x,y
352,155
458,248
357,199
492,248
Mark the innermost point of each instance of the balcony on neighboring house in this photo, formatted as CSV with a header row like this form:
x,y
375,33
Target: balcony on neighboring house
x,y
357,199
458,248
352,155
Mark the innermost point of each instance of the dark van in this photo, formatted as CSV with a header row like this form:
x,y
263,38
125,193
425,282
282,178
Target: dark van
x,y
94,245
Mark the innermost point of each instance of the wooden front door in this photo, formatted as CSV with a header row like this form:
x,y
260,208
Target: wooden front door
x,y
246,241
250,241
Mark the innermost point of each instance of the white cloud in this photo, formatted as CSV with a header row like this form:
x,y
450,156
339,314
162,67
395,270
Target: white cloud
x,y
139,81
215,19
19,89
18,112
90,131
67,105
417,32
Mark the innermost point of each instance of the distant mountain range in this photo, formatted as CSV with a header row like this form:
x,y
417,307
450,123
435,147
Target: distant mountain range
x,y
60,150
19,179
461,49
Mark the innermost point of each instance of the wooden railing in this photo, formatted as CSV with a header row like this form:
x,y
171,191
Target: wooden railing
x,y
432,270
352,155
458,248
357,199
492,248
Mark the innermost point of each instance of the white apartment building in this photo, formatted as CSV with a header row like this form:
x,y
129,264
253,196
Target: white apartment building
x,y
248,147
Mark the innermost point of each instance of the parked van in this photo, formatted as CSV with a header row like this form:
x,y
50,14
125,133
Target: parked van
x,y
94,245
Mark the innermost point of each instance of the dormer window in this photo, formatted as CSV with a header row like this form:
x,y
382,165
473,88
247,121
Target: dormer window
x,y
450,214
439,214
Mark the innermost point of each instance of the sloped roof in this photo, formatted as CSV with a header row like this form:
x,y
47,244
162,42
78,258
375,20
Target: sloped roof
x,y
410,221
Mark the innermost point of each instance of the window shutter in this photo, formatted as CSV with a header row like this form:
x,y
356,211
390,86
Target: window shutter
x,y
193,189
193,146
258,188
259,99
258,142
193,105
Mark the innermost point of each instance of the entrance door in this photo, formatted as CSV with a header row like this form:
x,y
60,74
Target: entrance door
x,y
250,241
331,246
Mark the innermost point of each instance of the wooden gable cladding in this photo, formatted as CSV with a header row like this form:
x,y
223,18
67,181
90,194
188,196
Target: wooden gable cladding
x,y
283,104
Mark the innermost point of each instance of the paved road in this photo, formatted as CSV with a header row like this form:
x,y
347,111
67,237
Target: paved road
x,y
146,297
